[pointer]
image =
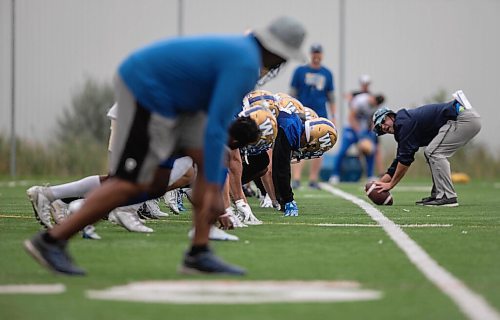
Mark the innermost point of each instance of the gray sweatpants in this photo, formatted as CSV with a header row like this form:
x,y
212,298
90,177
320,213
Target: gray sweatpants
x,y
453,135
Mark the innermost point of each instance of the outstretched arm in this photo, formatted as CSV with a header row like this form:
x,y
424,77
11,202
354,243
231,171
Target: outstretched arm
x,y
398,175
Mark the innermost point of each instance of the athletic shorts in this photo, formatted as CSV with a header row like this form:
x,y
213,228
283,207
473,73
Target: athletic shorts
x,y
256,164
143,140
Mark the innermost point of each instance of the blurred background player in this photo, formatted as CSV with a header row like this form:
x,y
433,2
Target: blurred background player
x,y
442,128
358,130
364,87
158,117
313,85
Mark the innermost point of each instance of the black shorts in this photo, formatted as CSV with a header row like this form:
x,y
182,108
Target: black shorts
x,y
255,166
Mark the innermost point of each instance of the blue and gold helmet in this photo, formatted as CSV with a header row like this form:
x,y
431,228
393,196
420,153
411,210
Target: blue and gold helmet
x,y
321,135
268,127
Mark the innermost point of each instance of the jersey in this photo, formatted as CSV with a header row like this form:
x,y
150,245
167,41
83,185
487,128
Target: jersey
x,y
292,127
313,86
190,74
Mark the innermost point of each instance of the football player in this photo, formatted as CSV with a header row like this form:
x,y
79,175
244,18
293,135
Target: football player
x,y
251,162
358,131
297,140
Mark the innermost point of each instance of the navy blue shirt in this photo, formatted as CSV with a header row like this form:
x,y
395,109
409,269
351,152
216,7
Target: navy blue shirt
x,y
415,128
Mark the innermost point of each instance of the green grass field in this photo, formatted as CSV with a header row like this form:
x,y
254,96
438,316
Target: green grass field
x,y
281,249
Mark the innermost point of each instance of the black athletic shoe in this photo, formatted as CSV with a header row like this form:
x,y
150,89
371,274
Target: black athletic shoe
x,y
208,263
442,202
426,199
52,255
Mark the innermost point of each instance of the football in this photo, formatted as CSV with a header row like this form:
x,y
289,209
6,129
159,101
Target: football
x,y
382,198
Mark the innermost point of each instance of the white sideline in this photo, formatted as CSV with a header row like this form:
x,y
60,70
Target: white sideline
x,y
470,303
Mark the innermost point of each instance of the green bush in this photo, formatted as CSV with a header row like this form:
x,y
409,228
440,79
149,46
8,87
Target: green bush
x,y
79,144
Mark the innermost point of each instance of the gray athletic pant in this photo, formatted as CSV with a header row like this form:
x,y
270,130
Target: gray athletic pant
x,y
453,135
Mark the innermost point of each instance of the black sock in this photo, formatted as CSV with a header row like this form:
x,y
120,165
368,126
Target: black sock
x,y
48,238
198,249
69,200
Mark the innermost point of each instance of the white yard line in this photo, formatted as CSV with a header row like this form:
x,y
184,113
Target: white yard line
x,y
236,292
32,288
425,225
470,303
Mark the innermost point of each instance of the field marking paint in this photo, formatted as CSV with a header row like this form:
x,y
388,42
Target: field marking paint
x,y
425,225
15,216
32,288
236,292
470,303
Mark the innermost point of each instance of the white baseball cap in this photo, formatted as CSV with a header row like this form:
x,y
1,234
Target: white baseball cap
x,y
283,37
364,79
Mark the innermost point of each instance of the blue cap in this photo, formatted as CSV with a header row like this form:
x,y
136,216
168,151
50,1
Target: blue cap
x,y
316,48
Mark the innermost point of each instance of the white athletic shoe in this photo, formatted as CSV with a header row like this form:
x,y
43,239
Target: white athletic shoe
x,y
59,210
216,234
154,208
229,212
245,213
89,233
334,180
41,204
266,202
170,199
128,220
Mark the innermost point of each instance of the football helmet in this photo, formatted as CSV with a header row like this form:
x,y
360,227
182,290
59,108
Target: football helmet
x,y
261,97
321,136
280,95
268,126
291,104
310,113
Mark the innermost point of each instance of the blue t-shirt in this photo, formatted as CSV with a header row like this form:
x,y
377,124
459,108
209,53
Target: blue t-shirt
x,y
313,86
415,128
189,74
292,126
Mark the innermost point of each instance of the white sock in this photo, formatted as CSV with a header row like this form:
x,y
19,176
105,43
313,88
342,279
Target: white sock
x,y
76,188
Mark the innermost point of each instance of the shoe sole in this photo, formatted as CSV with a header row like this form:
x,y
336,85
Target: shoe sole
x,y
33,200
182,269
450,205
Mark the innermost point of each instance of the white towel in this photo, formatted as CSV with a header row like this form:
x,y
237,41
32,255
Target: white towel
x,y
462,99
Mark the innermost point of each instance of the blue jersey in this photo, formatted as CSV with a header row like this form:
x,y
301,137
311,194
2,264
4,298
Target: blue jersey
x,y
190,74
415,128
313,86
292,126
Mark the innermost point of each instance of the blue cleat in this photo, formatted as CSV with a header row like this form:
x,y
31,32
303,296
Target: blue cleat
x,y
52,255
291,209
180,203
208,263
